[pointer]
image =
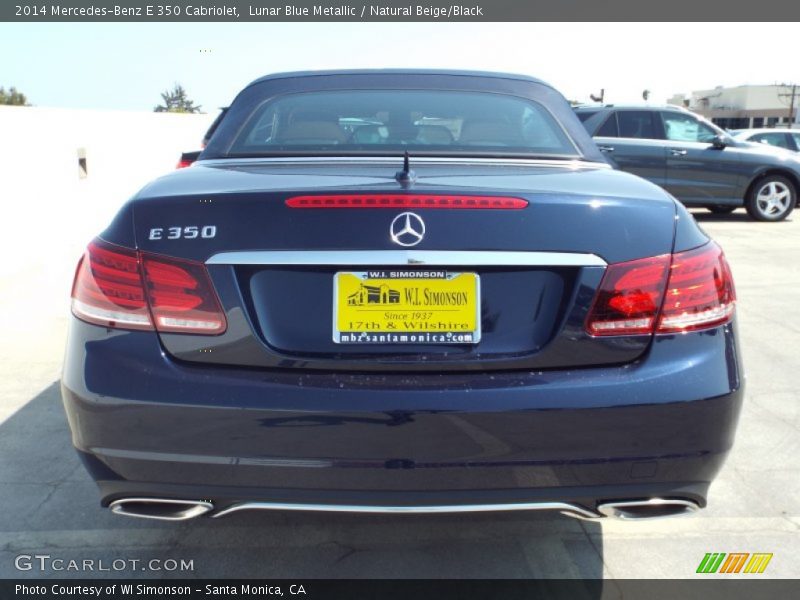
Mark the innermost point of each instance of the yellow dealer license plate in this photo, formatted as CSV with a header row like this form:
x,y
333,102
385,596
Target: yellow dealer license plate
x,y
406,307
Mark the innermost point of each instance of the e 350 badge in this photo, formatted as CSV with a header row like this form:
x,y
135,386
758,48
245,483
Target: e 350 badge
x,y
189,232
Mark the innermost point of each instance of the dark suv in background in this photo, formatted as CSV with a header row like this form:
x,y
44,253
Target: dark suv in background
x,y
696,161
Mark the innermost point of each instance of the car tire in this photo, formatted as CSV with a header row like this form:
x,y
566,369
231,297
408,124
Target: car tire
x,y
771,198
721,209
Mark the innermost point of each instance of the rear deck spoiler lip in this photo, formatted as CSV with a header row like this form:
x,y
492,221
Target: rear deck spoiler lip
x,y
466,258
394,161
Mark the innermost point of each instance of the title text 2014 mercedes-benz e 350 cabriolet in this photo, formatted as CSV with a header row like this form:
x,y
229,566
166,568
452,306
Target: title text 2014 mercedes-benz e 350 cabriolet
x,y
402,292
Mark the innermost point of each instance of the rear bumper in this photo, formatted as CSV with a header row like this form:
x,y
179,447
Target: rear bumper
x,y
146,425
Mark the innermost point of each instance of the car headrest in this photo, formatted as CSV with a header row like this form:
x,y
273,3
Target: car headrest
x,y
312,132
367,134
434,134
489,132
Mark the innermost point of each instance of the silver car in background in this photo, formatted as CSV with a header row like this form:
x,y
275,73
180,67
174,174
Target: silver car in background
x,y
788,139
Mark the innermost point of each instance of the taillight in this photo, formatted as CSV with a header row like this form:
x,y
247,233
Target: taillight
x,y
700,292
183,163
664,294
123,289
180,296
108,288
629,297
378,200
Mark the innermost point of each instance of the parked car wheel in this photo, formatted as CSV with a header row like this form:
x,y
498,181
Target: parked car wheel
x,y
720,209
771,199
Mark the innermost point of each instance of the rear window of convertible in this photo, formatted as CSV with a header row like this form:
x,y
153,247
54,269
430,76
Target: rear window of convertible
x,y
388,121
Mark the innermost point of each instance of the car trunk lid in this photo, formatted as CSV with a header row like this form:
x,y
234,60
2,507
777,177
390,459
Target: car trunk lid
x,y
533,270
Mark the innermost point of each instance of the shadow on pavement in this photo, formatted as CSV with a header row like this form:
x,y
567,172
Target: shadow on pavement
x,y
737,216
51,506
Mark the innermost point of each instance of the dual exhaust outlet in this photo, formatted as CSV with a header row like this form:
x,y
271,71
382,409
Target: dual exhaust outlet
x,y
169,509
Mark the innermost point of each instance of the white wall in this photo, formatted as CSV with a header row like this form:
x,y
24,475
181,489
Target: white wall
x,y
39,183
48,212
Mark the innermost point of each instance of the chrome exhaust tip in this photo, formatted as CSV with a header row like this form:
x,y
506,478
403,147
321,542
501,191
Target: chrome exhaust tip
x,y
653,508
161,509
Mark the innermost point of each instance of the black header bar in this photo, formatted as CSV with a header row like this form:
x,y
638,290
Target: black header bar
x,y
404,10
735,588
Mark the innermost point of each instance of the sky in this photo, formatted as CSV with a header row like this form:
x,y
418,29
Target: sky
x,y
126,66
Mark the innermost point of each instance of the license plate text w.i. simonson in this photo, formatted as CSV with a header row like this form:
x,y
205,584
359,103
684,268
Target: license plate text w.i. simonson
x,y
406,307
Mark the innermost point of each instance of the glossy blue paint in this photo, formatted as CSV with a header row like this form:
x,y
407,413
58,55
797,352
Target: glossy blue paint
x,y
254,434
273,410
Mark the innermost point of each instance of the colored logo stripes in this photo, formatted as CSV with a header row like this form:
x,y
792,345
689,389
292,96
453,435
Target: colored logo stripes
x,y
735,562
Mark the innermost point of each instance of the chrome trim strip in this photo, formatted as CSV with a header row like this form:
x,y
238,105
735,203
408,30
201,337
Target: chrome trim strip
x,y
194,508
568,163
617,510
444,258
567,509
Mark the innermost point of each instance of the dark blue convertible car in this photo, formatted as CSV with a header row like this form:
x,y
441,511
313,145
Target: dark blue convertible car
x,y
402,292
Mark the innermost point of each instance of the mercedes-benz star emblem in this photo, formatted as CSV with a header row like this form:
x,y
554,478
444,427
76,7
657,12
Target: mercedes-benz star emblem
x,y
407,229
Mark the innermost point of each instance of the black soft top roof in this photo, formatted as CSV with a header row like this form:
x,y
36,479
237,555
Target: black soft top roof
x,y
339,72
272,86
